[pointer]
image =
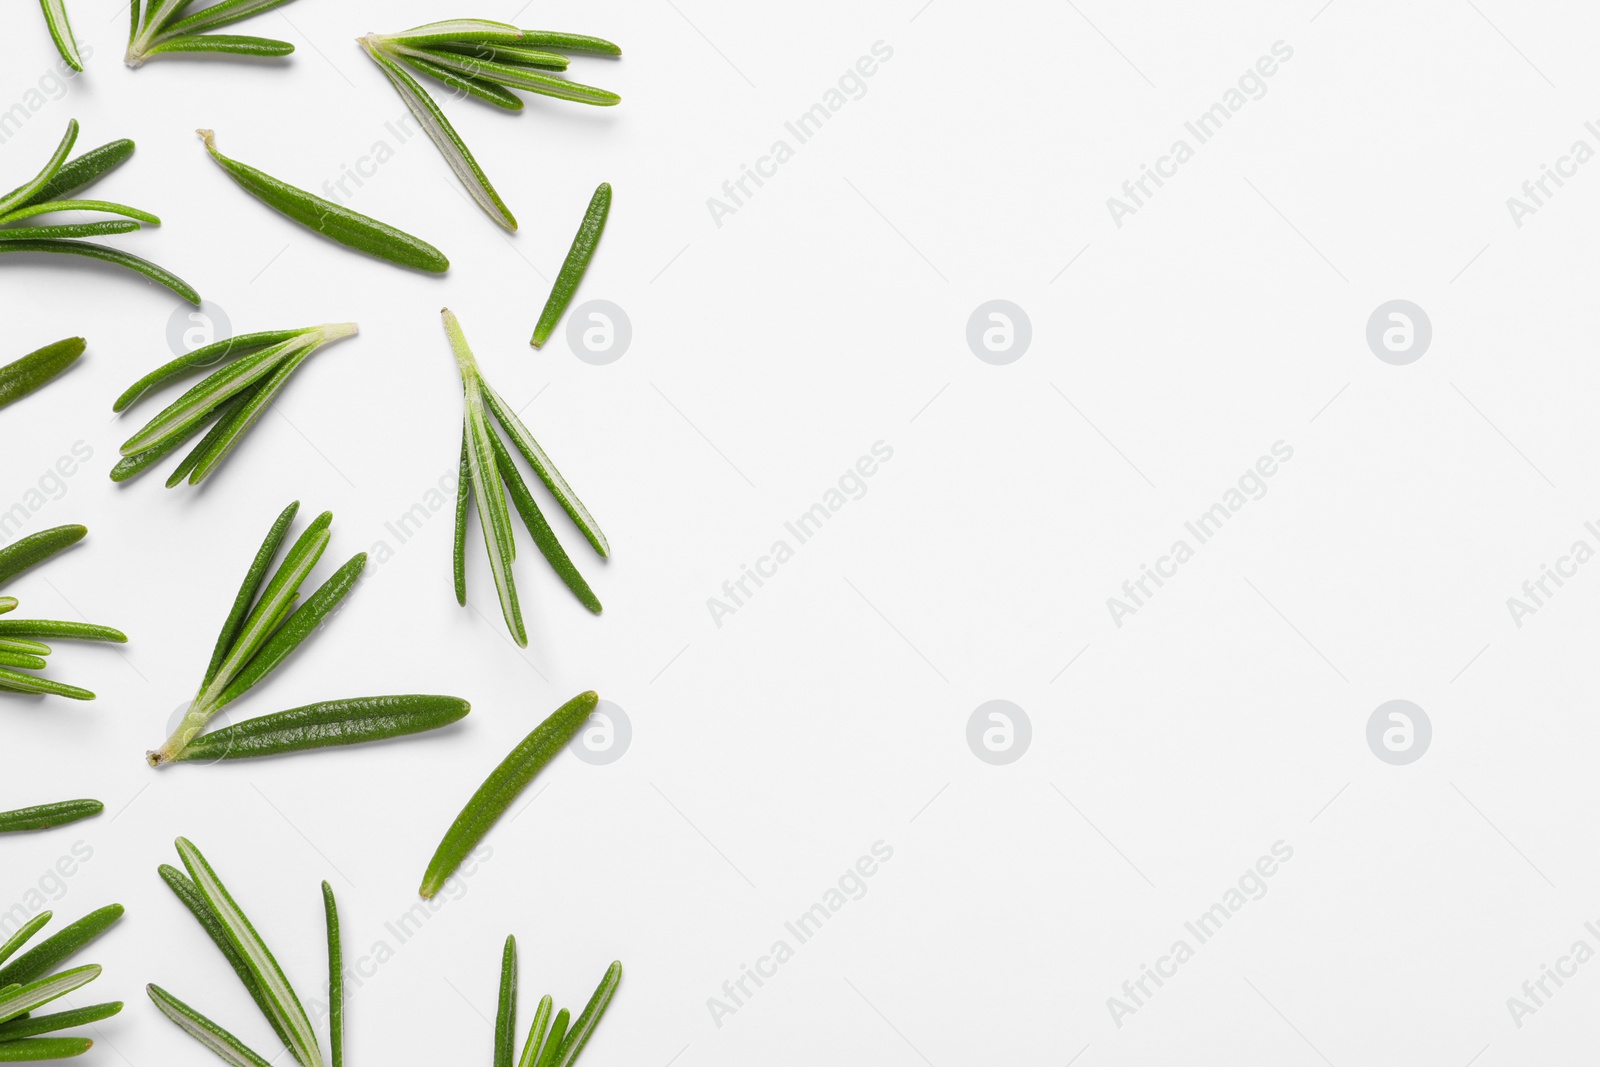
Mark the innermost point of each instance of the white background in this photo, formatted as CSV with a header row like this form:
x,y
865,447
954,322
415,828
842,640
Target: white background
x,y
827,313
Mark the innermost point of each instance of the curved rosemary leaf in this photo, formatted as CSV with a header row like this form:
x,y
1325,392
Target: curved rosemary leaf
x,y
330,724
579,1034
55,16
503,785
299,626
109,255
542,465
228,44
87,168
541,1021
227,1047
248,590
334,221
46,816
50,953
281,997
575,265
22,936
49,207
204,357
505,1020
443,135
34,1025
487,91
463,498
36,548
71,631
23,193
190,897
335,979
107,228
540,530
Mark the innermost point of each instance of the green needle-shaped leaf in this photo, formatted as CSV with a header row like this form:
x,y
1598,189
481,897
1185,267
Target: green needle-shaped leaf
x,y
55,16
78,173
335,979
36,548
463,498
579,1034
108,255
70,631
575,265
51,207
459,31
227,1047
250,588
23,935
17,682
443,135
545,468
552,1042
71,230
543,536
541,1022
505,1020
503,785
22,661
34,1025
515,55
486,91
37,1050
222,14
45,816
327,724
34,994
281,998
50,953
333,221
570,42
206,356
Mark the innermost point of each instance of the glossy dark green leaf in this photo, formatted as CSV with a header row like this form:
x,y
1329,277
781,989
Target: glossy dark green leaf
x,y
34,1025
254,578
575,265
50,953
46,816
505,1020
325,725
227,1047
34,549
335,979
108,255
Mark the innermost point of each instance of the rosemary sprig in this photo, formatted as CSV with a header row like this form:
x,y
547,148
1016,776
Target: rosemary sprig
x,y
203,893
548,1045
44,195
31,981
55,18
229,400
487,60
160,26
489,473
19,652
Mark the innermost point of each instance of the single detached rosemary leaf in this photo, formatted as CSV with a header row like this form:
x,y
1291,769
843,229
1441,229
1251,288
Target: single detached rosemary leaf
x,y
50,953
44,1048
503,785
45,816
328,724
337,223
160,26
55,17
541,1022
36,548
441,133
576,263
505,1020
190,896
227,1047
281,998
34,1025
335,979
579,1034
38,368
543,536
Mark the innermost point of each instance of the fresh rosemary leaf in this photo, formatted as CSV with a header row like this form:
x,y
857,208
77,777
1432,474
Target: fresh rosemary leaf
x,y
335,980
325,725
222,14
20,196
36,548
21,661
45,816
514,54
337,223
71,631
108,255
226,43
503,785
128,467
570,42
463,498
219,428
34,1025
552,1042
281,998
204,357
505,1020
459,31
189,895
443,135
541,1021
7,603
543,536
203,398
515,77
50,953
227,1047
55,17
251,587
80,172
37,368
16,644
486,91
50,207
32,1050
579,1034
17,682
230,430
66,231
542,465
576,263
